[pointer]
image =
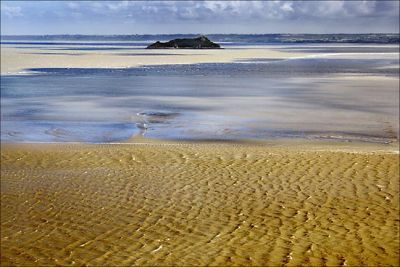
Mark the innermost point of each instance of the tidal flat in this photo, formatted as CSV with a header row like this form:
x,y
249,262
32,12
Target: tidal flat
x,y
252,155
50,93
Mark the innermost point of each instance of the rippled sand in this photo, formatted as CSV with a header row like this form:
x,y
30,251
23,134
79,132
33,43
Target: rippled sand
x,y
198,204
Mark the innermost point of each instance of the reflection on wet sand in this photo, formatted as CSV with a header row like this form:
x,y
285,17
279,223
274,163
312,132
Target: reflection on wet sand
x,y
206,102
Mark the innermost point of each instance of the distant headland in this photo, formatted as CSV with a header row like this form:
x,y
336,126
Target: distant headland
x,y
201,42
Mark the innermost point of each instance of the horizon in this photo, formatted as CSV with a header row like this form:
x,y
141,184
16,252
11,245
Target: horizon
x,y
141,34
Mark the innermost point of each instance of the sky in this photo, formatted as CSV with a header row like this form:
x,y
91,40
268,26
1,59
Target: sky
x,y
164,17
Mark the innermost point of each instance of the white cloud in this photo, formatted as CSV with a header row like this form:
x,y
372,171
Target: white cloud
x,y
287,7
238,10
229,16
73,5
11,11
118,6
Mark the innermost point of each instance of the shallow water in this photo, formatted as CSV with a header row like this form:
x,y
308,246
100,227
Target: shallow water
x,y
340,94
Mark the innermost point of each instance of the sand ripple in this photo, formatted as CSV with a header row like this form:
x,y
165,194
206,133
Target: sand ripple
x,y
197,205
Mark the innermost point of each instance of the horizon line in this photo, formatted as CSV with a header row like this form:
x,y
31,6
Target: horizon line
x,y
122,34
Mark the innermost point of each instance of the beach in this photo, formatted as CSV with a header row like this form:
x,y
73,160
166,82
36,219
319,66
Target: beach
x,y
199,204
262,155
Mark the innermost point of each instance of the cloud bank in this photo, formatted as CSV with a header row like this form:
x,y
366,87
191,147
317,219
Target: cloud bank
x,y
129,17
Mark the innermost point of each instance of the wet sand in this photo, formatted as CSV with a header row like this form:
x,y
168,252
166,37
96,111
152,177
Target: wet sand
x,y
260,204
332,95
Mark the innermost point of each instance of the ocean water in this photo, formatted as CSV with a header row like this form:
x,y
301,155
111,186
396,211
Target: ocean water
x,y
334,92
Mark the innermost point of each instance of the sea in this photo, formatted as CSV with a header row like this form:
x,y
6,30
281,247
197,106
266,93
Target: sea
x,y
344,88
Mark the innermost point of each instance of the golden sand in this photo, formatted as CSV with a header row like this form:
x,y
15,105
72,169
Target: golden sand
x,y
198,204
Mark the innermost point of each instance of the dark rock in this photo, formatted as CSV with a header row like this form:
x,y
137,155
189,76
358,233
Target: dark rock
x,y
201,42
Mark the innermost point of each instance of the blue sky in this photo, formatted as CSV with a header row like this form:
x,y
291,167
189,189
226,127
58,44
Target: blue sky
x,y
141,17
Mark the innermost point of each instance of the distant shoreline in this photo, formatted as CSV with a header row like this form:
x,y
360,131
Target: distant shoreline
x,y
381,38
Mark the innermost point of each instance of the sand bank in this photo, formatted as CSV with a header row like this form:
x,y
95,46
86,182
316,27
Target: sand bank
x,y
16,59
199,204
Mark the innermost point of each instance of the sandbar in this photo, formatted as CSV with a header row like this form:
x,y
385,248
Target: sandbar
x,y
15,60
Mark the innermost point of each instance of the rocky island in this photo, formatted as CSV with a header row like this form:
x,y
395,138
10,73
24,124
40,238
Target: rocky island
x,y
201,42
